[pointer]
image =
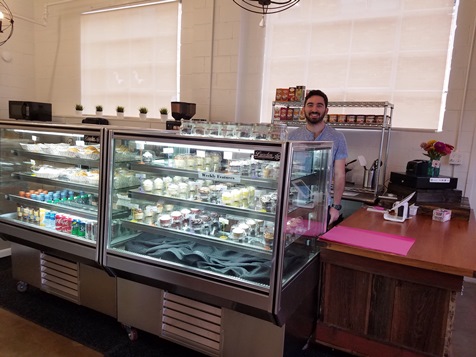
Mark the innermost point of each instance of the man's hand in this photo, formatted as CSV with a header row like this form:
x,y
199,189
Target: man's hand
x,y
334,215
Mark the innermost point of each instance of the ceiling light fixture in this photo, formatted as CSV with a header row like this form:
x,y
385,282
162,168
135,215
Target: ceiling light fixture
x,y
265,7
6,22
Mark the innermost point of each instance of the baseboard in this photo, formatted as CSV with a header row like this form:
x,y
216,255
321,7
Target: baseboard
x,y
470,280
5,252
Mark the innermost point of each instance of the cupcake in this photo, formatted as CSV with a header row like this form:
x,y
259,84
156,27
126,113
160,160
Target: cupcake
x,y
165,220
173,190
138,214
185,213
196,224
237,233
204,193
179,161
147,185
176,216
226,198
167,181
158,184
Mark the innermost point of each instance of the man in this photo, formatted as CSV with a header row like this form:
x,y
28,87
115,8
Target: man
x,y
315,110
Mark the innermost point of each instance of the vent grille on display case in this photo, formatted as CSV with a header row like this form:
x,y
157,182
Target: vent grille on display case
x,y
192,324
60,277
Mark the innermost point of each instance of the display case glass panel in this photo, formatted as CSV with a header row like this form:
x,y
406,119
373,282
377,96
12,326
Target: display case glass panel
x,y
215,208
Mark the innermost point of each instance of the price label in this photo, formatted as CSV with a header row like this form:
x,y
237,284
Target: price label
x,y
34,138
79,143
200,153
168,150
227,155
140,145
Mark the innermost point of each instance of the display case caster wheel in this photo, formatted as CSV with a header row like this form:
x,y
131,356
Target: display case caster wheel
x,y
131,333
22,286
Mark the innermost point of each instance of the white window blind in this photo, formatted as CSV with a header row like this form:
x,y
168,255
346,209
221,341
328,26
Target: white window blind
x,y
129,58
365,50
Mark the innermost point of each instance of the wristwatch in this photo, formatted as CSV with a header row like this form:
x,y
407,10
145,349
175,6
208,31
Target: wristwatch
x,y
337,207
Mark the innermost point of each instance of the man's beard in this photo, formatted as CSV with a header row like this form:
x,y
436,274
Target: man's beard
x,y
312,120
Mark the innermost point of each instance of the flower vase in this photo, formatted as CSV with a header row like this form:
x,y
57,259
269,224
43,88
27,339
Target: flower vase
x,y
434,168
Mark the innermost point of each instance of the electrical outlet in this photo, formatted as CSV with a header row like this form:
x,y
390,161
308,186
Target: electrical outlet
x,y
456,158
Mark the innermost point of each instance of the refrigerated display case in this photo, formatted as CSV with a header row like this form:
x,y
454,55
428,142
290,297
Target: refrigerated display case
x,y
49,210
220,239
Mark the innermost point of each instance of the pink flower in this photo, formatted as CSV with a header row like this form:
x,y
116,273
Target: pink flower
x,y
436,149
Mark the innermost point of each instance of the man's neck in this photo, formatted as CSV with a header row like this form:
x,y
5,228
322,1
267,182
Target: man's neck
x,y
316,129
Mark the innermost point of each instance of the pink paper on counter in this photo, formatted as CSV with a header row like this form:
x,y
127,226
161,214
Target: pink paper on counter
x,y
357,237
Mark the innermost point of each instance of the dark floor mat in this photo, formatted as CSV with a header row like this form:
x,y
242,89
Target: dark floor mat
x,y
99,331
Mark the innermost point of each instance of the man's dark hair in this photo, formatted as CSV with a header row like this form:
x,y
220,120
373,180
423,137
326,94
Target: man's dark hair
x,y
318,93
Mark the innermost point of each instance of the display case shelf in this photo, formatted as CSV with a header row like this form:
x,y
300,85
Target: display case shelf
x,y
138,194
194,174
86,211
64,236
30,177
255,249
56,158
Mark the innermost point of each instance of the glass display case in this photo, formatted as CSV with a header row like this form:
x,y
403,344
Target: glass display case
x,y
228,222
49,207
50,184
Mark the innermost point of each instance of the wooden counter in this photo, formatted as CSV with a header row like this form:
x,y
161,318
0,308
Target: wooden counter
x,y
382,304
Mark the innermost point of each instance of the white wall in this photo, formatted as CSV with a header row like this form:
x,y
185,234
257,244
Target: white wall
x,y
221,71
17,75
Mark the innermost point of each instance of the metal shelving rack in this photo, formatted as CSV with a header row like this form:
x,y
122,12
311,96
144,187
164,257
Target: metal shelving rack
x,y
384,128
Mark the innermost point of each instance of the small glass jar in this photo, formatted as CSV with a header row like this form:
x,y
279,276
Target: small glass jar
x,y
261,131
278,132
187,127
244,131
200,128
214,130
228,130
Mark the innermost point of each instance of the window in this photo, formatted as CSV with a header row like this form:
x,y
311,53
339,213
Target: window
x,y
129,57
365,50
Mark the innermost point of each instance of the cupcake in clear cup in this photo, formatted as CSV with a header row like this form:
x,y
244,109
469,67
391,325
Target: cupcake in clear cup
x,y
226,198
204,193
183,190
173,190
165,220
158,184
147,185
